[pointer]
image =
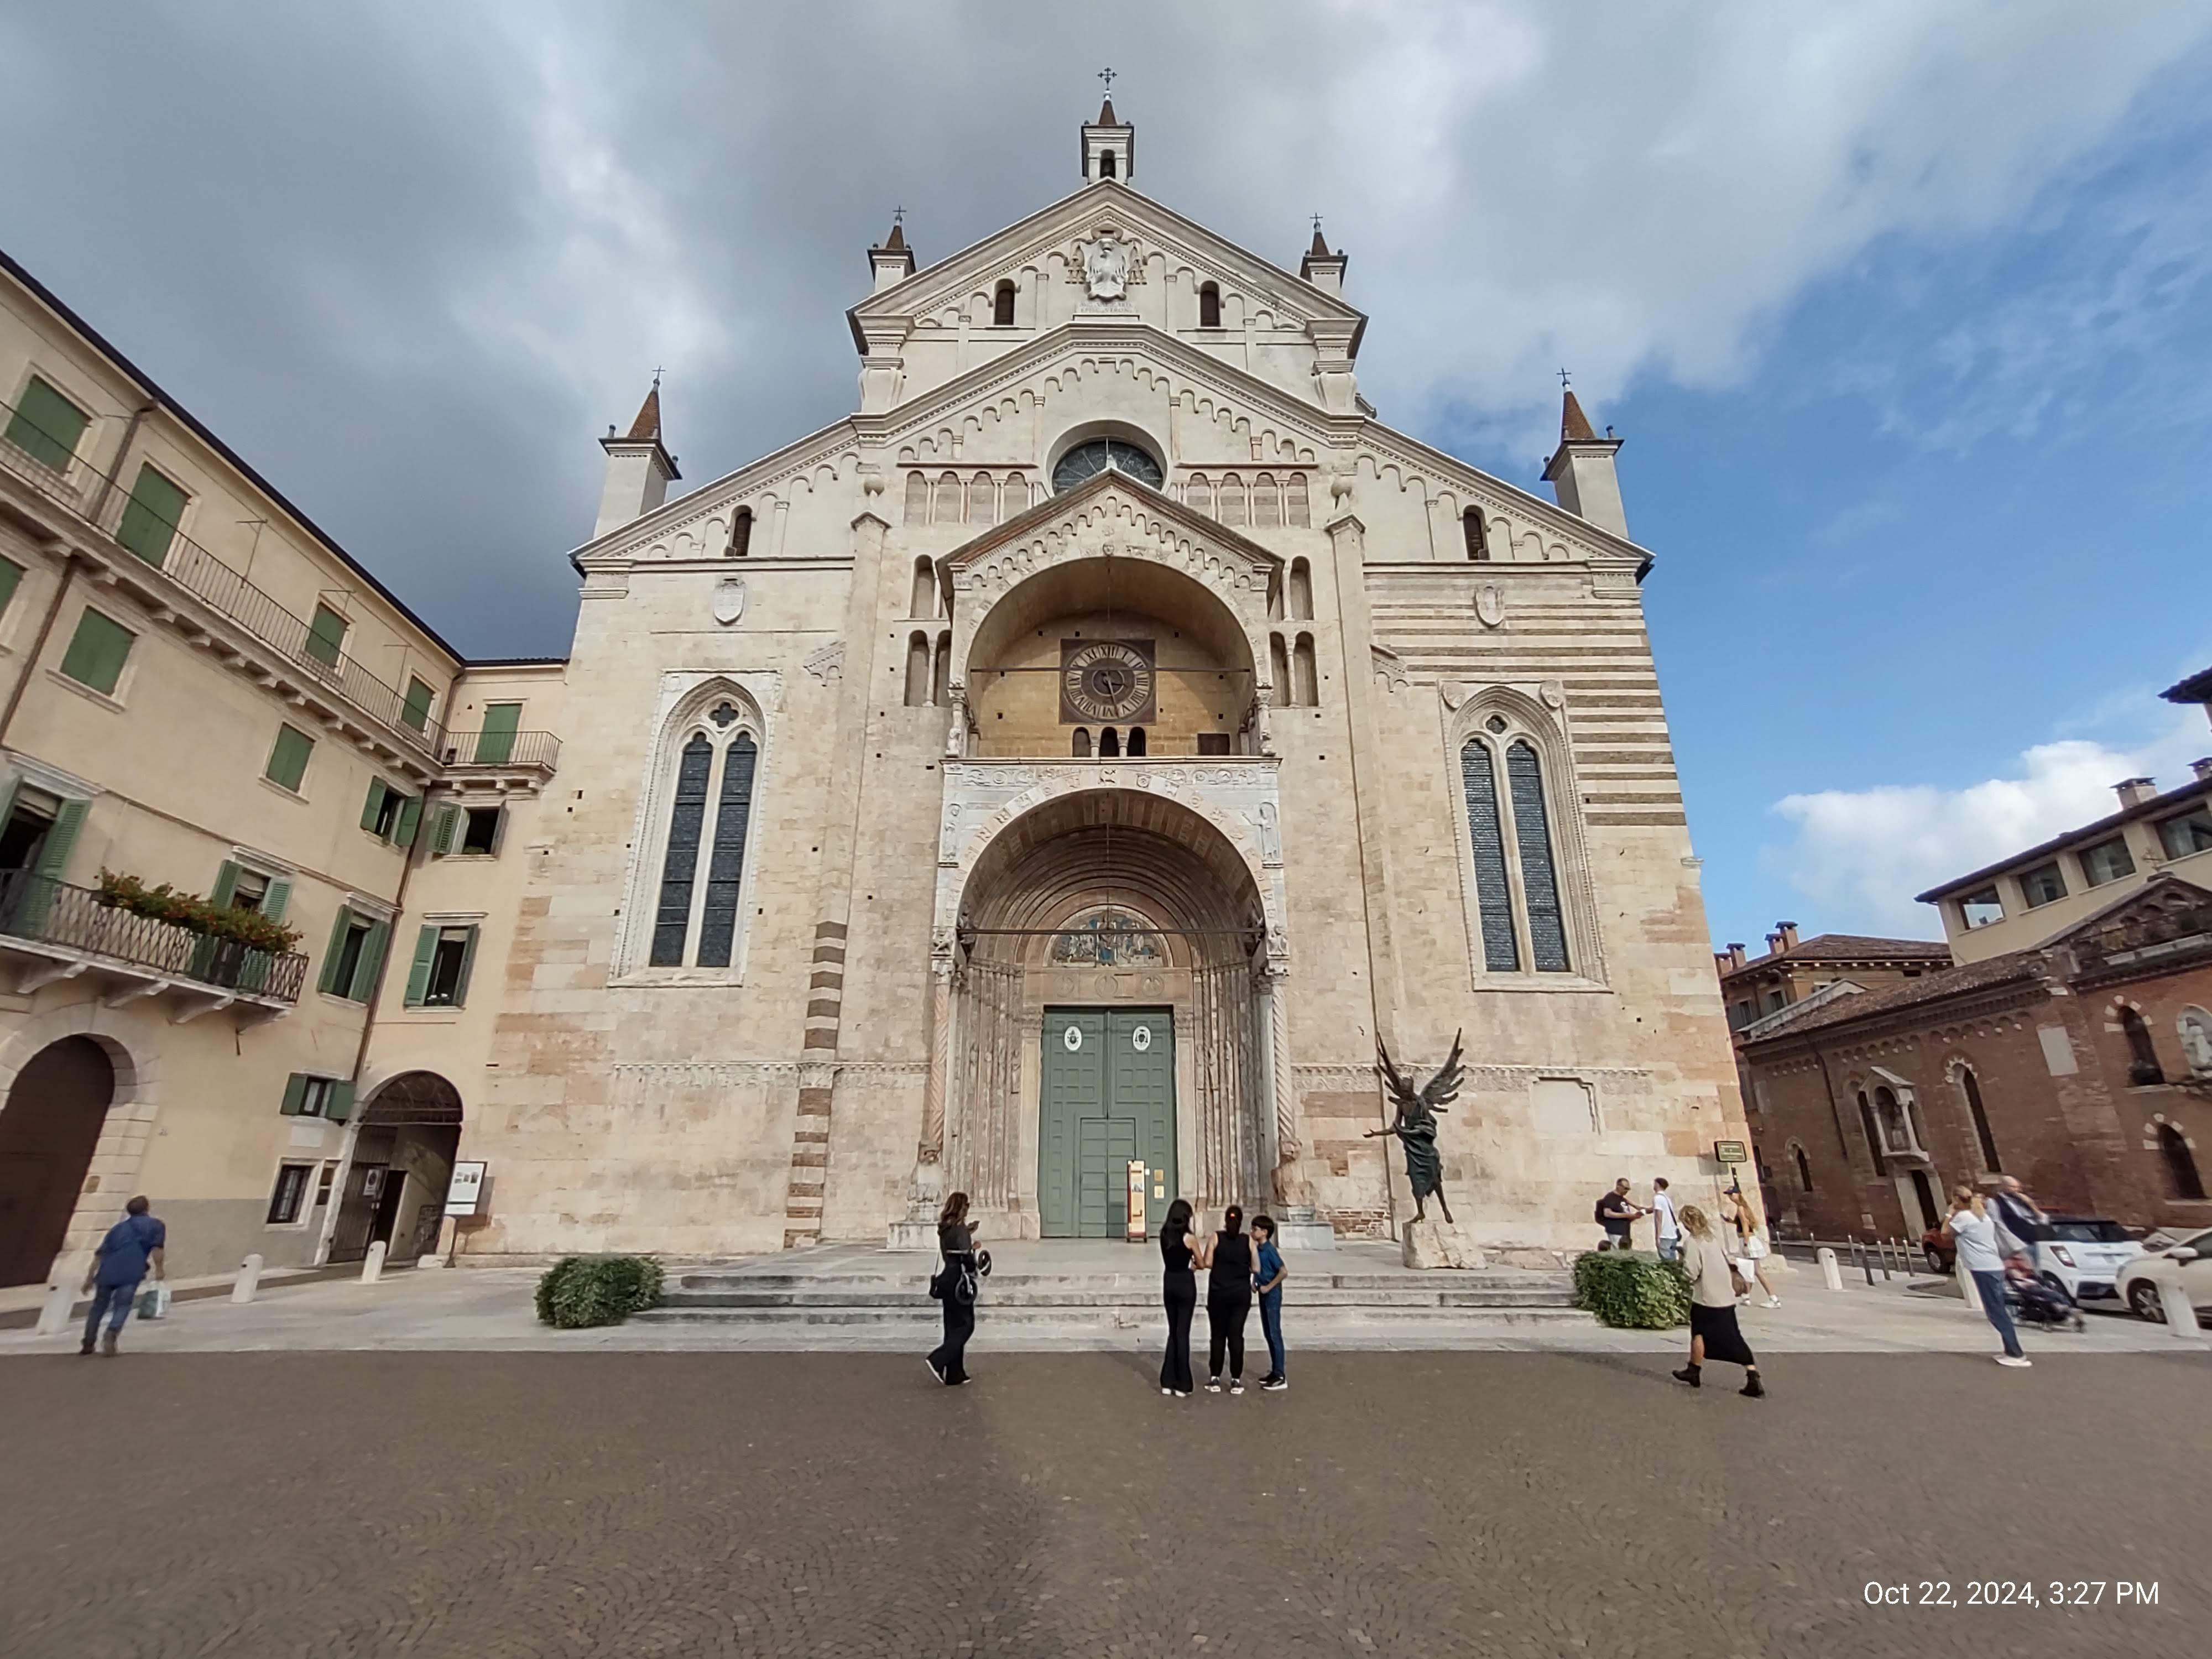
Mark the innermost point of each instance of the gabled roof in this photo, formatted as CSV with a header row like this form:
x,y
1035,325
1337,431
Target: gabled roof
x,y
1067,504
1848,947
2022,967
2156,806
956,273
2197,688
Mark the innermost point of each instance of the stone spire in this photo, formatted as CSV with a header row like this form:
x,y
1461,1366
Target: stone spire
x,y
1581,470
639,468
1109,146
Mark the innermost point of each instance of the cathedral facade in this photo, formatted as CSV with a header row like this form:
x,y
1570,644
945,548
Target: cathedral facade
x,y
1051,780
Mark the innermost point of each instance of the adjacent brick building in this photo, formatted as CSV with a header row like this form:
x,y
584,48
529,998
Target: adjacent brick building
x,y
2083,1065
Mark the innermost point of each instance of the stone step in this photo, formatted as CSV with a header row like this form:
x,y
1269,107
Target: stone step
x,y
1077,1321
1146,1284
1001,1295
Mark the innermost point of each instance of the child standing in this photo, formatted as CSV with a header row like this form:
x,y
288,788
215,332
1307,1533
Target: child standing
x,y
1268,1277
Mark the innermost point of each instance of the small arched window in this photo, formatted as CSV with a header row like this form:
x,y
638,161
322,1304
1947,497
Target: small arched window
x,y
1804,1167
1002,305
925,589
1279,665
917,499
1136,740
1301,591
741,533
1107,164
948,498
1295,511
1540,880
1266,502
1198,494
1971,1086
2143,1068
917,671
2180,1164
1110,744
940,680
1303,673
1233,499
982,499
1209,306
1478,540
1082,748
711,811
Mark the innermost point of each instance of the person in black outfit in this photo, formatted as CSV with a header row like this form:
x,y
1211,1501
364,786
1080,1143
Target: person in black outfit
x,y
1179,1290
1228,1261
956,1243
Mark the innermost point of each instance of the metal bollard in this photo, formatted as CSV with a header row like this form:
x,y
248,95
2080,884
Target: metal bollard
x,y
248,1281
1881,1245
1831,1275
371,1264
2180,1312
1866,1263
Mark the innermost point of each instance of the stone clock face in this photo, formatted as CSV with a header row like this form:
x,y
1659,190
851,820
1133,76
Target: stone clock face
x,y
1106,681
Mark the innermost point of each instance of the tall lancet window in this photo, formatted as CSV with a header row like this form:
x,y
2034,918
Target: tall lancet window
x,y
1540,879
697,917
1501,952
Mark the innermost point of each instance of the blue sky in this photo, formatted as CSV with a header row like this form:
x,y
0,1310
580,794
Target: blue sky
x,y
1901,309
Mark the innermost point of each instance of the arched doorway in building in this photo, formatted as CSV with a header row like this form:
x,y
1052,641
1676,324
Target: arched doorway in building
x,y
1111,1005
49,1129
402,1165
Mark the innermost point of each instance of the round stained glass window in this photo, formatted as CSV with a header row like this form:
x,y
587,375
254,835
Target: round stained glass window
x,y
1087,460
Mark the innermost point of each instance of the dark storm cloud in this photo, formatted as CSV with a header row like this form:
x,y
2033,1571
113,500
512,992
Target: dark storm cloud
x,y
412,259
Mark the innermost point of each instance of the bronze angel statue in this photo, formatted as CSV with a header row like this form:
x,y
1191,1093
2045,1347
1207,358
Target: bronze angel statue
x,y
1415,1125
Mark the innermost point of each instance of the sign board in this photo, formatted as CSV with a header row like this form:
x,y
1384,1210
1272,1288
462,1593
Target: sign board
x,y
467,1188
1137,1227
1730,1151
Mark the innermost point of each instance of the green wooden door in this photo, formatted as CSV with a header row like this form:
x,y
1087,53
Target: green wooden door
x,y
495,743
1108,1096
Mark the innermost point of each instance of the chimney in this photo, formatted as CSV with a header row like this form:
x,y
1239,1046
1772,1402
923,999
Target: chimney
x,y
1736,957
2134,791
1773,943
639,470
2203,769
1787,932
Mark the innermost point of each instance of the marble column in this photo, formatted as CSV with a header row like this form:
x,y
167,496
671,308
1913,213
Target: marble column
x,y
918,1232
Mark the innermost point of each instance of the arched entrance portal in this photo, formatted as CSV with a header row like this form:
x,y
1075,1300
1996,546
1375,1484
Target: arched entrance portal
x,y
49,1129
403,1164
1109,1004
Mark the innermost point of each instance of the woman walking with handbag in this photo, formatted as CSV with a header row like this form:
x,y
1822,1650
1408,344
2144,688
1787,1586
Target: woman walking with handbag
x,y
1974,1236
1752,1249
958,1280
1227,1258
1714,1287
1179,1291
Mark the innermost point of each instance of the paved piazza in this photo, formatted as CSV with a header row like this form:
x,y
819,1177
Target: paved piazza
x,y
767,1505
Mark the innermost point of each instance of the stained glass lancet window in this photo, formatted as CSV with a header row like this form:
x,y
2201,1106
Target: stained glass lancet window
x,y
672,918
1540,881
1501,953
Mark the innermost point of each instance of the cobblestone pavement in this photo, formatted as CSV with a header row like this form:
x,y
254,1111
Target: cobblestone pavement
x,y
492,1504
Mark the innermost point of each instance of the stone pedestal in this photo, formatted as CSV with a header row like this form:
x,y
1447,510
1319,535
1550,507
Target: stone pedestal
x,y
910,1236
1305,1234
1438,1244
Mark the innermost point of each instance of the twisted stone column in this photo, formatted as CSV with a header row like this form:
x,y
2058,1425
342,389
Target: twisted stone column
x,y
926,1192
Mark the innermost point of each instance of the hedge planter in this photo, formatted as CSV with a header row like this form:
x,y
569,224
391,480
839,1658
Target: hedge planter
x,y
582,1290
1634,1291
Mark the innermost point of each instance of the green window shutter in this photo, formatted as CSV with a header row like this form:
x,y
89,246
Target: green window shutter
x,y
442,839
419,976
46,426
495,743
278,901
468,962
375,804
11,578
411,815
326,637
415,712
152,516
287,757
61,840
226,885
329,979
295,1094
371,962
8,787
97,651
338,1104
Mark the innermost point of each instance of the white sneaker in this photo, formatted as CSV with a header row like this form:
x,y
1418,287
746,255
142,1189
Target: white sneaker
x,y
2019,1362
1164,1393
1771,1302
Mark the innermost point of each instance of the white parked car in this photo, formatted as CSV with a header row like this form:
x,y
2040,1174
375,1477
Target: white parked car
x,y
2082,1256
2139,1289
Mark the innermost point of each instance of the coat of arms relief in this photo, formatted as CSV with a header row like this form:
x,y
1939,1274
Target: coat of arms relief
x,y
1108,267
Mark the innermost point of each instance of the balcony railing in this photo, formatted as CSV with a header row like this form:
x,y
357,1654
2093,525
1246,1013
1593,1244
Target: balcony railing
x,y
216,584
540,751
41,911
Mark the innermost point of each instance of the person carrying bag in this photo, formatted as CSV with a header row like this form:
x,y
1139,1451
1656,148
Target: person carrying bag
x,y
957,1284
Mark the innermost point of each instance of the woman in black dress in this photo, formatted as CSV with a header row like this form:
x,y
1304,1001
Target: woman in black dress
x,y
958,1275
1227,1258
1179,1290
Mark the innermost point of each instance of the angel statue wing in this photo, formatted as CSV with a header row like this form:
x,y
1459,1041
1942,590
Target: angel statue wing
x,y
1443,1089
1400,1085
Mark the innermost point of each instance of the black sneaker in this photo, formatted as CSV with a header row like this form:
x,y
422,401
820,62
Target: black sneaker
x,y
1275,1384
1213,1385
1753,1388
933,1371
1237,1385
1689,1374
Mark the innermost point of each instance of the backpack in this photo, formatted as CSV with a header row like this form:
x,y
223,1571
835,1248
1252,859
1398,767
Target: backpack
x,y
1597,1209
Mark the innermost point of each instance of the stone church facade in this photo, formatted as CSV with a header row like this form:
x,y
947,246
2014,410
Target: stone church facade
x,y
1081,754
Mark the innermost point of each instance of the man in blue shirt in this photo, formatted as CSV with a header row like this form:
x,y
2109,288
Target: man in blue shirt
x,y
1267,1277
132,1245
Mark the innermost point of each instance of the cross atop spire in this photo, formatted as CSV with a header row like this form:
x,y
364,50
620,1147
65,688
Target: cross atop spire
x,y
1566,380
1110,143
1320,243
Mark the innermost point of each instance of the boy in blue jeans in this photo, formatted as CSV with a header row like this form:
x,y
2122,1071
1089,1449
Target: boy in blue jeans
x,y
1267,1278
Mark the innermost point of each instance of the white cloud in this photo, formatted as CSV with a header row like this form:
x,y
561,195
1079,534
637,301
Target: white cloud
x,y
1861,854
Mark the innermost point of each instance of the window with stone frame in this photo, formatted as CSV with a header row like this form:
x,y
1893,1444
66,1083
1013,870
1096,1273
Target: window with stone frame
x,y
710,771
1528,910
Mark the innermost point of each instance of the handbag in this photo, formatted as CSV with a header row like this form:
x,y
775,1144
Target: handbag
x,y
1737,1282
153,1302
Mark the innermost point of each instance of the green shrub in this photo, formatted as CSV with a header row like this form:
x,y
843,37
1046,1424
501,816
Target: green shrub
x,y
1637,1292
580,1290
